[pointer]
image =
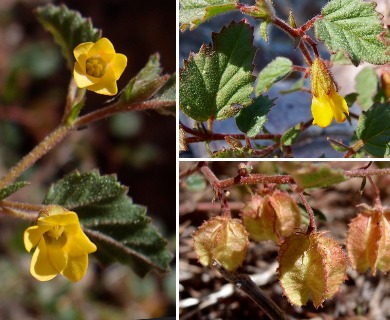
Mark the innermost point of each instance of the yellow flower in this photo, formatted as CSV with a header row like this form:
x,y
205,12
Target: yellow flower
x,y
98,66
62,246
327,103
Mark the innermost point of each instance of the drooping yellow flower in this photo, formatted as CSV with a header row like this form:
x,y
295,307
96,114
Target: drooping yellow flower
x,y
62,246
327,103
98,66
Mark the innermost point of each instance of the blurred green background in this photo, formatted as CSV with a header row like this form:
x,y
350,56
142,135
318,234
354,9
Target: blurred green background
x,y
138,146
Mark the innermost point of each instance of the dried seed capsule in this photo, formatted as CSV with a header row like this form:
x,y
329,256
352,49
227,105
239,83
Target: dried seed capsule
x,y
272,217
368,240
311,265
221,238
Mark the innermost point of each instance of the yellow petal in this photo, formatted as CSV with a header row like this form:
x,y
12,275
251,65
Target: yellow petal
x,y
101,47
32,235
322,111
56,254
81,78
82,49
79,244
76,268
106,85
339,107
41,267
66,218
118,65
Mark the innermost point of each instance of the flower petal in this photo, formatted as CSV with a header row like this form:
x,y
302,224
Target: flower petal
x,y
82,49
41,267
106,85
322,111
101,47
81,78
118,65
339,106
32,235
76,267
57,254
79,244
63,219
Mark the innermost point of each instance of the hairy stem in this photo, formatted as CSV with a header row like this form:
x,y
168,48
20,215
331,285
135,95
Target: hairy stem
x,y
190,171
35,154
23,211
206,136
312,224
277,179
117,108
377,198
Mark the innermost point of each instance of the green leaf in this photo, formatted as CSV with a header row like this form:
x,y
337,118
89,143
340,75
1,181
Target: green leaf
x,y
275,71
215,80
146,83
119,228
167,93
291,135
195,182
68,28
12,188
373,129
194,12
263,30
351,98
340,58
251,119
366,86
308,175
353,27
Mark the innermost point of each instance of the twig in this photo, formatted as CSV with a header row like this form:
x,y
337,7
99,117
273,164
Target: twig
x,y
35,154
190,171
377,198
117,108
246,284
277,179
312,224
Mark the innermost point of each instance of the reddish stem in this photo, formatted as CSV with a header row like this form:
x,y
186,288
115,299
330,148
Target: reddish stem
x,y
377,199
309,23
277,179
209,136
190,171
312,224
299,68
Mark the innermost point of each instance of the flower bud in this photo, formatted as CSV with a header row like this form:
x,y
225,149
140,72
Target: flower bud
x,y
263,9
223,239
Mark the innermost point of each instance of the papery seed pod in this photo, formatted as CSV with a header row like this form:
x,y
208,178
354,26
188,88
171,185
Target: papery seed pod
x,y
368,240
272,217
311,266
221,238
259,219
385,78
